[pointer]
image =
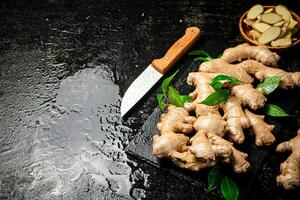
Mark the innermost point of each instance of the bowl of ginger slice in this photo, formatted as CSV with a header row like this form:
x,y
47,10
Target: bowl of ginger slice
x,y
276,27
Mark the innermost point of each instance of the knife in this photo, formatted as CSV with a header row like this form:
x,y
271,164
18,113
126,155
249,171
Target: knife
x,y
147,79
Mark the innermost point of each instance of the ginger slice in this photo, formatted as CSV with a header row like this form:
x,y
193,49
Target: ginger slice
x,y
250,96
284,28
236,119
269,35
281,42
172,127
271,18
289,176
255,11
248,22
254,34
222,66
260,129
283,11
280,24
269,10
261,27
245,51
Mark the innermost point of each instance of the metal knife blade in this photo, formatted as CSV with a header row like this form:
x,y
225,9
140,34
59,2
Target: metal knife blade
x,y
139,87
147,79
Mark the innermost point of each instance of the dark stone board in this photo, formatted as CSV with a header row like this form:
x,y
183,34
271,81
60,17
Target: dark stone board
x,y
141,145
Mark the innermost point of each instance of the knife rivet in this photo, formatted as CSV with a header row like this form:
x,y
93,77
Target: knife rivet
x,y
179,45
165,58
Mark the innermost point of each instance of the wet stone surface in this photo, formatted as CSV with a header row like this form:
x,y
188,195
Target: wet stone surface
x,y
64,66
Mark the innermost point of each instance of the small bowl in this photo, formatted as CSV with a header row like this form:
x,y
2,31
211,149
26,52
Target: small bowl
x,y
244,29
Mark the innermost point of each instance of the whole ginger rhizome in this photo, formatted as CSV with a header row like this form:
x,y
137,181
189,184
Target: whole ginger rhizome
x,y
205,138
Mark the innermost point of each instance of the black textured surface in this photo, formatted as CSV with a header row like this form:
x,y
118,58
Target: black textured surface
x,y
141,145
60,132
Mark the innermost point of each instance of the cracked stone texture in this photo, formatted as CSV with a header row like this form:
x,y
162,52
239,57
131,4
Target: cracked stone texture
x,y
64,66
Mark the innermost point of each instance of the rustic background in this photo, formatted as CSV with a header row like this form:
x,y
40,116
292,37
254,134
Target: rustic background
x,y
60,134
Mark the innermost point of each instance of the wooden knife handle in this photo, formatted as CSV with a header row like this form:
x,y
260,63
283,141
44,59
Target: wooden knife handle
x,y
177,50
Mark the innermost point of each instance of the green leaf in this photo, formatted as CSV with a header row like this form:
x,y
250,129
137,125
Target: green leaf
x,y
229,189
174,97
159,98
217,86
216,81
186,98
223,77
217,98
214,178
199,53
204,59
275,111
203,55
270,84
165,84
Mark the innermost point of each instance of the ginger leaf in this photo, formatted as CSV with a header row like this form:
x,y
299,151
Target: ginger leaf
x,y
223,77
214,178
217,98
204,59
229,189
275,111
170,94
161,103
217,85
269,84
203,55
186,98
216,81
165,84
174,97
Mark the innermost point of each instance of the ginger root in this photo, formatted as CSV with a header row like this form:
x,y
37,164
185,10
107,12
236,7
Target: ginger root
x,y
260,129
250,96
173,127
188,160
208,117
173,143
237,158
202,150
198,136
289,176
222,66
201,147
261,71
245,51
236,119
205,148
